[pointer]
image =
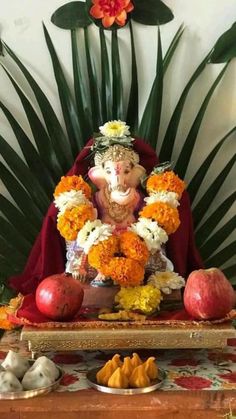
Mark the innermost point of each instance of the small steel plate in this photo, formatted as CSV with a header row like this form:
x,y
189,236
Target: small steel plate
x,y
155,384
27,394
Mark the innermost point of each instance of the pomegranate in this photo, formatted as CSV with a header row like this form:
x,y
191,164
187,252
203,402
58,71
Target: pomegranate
x,y
59,297
208,294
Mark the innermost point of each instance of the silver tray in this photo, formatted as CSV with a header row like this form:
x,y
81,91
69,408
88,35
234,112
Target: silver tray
x,y
27,394
155,384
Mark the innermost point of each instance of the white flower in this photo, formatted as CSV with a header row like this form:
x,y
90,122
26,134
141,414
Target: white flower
x,y
115,129
153,235
166,281
170,198
70,199
92,233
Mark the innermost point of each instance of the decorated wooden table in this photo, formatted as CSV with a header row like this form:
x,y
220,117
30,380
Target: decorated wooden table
x,y
199,383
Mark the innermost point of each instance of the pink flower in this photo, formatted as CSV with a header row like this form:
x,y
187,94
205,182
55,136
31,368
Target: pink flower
x,y
231,377
181,362
193,382
231,342
68,379
67,358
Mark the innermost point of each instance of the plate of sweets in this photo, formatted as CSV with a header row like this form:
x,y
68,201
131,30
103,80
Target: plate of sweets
x,y
21,378
130,376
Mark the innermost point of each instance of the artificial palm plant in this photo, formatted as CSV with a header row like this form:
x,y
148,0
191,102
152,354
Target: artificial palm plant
x,y
92,101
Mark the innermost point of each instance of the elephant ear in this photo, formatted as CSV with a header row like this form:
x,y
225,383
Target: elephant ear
x,y
96,174
137,172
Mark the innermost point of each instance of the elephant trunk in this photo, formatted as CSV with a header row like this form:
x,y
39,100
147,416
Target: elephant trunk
x,y
121,196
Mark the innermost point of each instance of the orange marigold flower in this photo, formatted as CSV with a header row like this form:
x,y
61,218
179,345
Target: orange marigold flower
x,y
111,11
126,272
166,181
166,216
4,322
73,219
67,183
133,247
101,254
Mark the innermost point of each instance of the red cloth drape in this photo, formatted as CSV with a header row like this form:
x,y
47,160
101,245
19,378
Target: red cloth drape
x,y
48,253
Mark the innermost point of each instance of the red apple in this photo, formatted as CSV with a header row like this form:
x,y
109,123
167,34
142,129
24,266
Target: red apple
x,y
59,297
208,294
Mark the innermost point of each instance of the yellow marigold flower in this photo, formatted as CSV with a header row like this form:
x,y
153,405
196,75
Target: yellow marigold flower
x,y
133,247
145,298
100,255
126,272
72,220
166,181
11,308
166,216
67,183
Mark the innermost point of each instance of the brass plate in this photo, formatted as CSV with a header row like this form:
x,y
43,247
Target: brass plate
x,y
91,377
126,337
27,394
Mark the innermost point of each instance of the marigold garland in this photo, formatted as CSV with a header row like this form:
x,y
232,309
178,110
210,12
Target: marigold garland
x,y
166,181
126,272
133,247
165,215
77,183
102,253
72,220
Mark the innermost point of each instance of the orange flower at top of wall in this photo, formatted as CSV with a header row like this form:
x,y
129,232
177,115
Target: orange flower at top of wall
x,y
111,11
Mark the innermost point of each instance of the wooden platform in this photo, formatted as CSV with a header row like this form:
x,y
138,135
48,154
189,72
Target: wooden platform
x,y
128,336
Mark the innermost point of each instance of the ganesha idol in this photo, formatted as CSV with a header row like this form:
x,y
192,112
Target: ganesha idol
x,y
120,234
114,222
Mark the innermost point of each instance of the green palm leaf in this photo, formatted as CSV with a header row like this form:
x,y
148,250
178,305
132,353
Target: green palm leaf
x,y
21,197
203,204
172,47
133,105
150,122
10,253
230,272
93,85
71,16
171,132
151,12
17,219
196,181
6,269
211,245
32,158
117,85
225,47
45,150
11,235
58,138
205,230
221,257
67,102
82,100
106,79
24,175
187,149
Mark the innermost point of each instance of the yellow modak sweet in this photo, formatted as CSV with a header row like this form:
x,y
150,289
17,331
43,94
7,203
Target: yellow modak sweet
x,y
127,367
139,377
105,373
151,368
135,360
118,379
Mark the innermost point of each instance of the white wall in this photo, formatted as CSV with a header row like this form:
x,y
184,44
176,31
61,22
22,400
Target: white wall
x,y
205,21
